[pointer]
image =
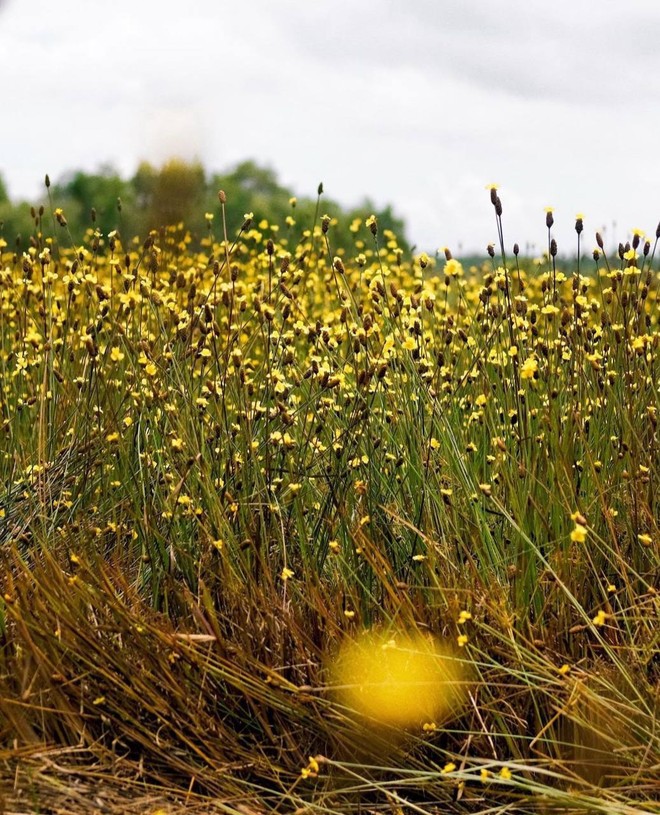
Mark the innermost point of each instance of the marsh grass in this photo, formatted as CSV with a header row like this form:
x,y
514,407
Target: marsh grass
x,y
218,463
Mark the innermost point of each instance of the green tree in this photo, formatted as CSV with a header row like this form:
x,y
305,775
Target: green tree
x,y
4,195
251,188
172,194
100,191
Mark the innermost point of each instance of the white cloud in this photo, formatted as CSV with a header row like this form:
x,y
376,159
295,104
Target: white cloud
x,y
415,102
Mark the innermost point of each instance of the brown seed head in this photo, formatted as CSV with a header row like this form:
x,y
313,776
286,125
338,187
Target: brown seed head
x,y
222,196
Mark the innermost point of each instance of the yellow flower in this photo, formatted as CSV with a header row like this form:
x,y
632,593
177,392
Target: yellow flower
x,y
287,573
579,534
453,268
505,773
529,367
311,770
372,224
599,619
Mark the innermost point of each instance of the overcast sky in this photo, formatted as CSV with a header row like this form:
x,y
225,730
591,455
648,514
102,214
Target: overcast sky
x,y
420,103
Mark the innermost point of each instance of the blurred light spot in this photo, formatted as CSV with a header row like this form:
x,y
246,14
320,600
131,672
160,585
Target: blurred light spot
x,y
398,680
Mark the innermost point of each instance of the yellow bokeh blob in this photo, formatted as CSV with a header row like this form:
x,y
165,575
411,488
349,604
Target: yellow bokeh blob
x,y
397,680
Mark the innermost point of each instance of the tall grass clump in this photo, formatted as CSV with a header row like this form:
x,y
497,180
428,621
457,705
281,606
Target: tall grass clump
x,y
222,461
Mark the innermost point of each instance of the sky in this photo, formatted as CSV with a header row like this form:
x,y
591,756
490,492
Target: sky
x,y
417,103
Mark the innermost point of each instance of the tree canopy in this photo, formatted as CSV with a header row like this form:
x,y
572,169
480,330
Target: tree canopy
x,y
179,192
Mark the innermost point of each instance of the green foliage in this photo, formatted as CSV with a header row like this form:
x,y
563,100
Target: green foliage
x,y
101,191
181,192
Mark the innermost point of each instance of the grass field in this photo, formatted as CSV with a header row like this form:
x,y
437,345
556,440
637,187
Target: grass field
x,y
222,465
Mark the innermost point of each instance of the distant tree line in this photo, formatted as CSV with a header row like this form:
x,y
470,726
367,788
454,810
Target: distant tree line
x,y
178,192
